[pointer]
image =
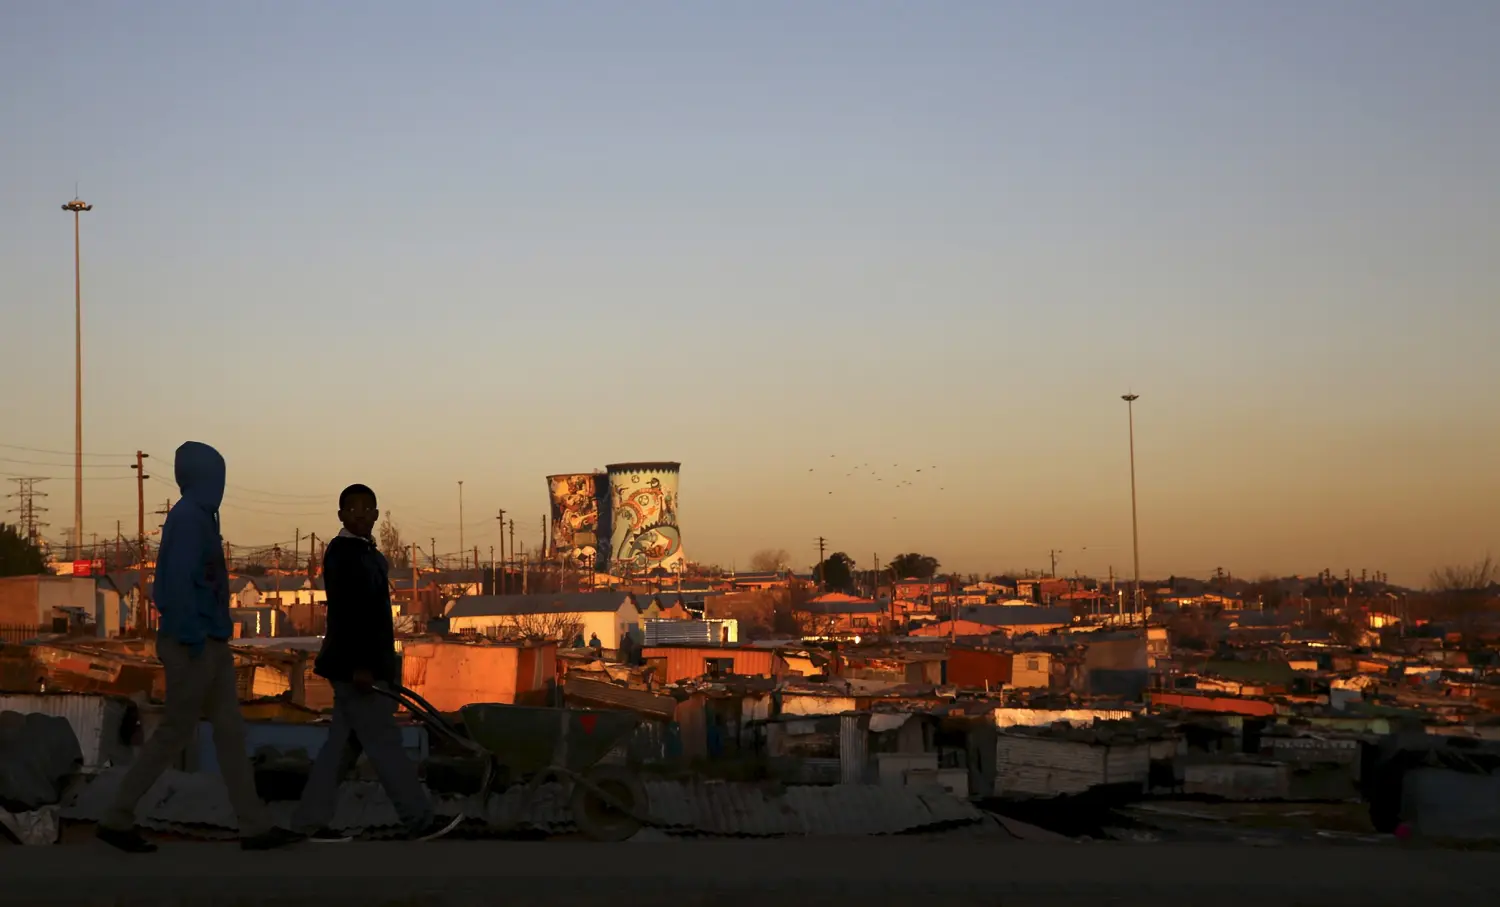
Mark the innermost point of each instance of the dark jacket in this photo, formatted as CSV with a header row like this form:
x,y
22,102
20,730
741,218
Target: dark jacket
x,y
361,633
191,590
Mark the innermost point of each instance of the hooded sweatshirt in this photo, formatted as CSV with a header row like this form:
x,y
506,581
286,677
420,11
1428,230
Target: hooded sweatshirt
x,y
191,590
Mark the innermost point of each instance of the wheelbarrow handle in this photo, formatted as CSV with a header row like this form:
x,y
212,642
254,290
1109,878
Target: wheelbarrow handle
x,y
428,715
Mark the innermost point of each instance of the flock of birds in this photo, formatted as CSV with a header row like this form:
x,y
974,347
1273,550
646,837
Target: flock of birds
x,y
902,478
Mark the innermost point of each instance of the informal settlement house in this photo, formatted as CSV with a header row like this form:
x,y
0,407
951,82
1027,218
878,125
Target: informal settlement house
x,y
838,614
561,617
986,620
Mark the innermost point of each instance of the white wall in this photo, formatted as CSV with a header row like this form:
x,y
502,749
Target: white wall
x,y
1040,717
63,592
295,597
610,626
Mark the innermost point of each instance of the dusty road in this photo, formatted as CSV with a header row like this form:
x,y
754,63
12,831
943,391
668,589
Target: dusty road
x,y
870,872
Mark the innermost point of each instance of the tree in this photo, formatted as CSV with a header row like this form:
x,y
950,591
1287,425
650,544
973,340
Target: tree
x,y
559,628
1464,593
920,566
1464,578
837,573
19,555
769,560
391,545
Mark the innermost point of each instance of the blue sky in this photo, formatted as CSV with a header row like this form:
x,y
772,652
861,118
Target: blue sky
x,y
410,245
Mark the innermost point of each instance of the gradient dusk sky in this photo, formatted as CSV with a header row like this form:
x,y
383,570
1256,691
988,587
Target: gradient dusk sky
x,y
408,244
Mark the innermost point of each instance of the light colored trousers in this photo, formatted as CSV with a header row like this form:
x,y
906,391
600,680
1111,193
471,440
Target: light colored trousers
x,y
198,687
362,721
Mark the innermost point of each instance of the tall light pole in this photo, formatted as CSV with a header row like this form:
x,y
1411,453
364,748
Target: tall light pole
x,y
77,206
462,557
1135,532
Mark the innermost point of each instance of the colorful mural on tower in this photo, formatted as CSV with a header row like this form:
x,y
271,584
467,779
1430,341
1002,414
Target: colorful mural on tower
x,y
575,517
643,514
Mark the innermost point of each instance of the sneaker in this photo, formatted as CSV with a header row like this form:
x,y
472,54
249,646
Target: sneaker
x,y
329,836
128,840
433,828
271,840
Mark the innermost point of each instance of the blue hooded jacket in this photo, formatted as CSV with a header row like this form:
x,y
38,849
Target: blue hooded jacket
x,y
192,583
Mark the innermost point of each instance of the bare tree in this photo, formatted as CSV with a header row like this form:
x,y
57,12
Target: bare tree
x,y
816,626
769,560
1464,577
559,628
391,546
1463,594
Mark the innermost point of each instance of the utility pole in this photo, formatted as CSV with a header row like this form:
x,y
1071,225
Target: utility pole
x,y
501,581
115,561
1135,535
141,613
1053,553
512,538
822,573
296,557
461,522
492,569
312,555
523,569
164,512
26,508
77,206
413,578
276,571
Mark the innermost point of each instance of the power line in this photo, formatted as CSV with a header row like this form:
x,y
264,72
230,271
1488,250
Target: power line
x,y
281,494
235,505
46,463
61,453
16,475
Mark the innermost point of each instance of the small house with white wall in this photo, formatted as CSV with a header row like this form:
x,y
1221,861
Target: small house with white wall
x,y
560,617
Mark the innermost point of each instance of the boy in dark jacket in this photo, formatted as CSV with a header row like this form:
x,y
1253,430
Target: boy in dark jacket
x,y
359,654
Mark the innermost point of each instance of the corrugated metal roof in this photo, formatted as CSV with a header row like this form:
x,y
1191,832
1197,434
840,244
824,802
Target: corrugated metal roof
x,y
198,804
595,692
543,603
96,720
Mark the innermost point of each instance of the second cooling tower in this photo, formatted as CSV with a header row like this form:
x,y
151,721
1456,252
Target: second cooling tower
x,y
579,536
642,508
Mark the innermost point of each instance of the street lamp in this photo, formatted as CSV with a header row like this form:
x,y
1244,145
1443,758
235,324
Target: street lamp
x,y
77,206
1135,533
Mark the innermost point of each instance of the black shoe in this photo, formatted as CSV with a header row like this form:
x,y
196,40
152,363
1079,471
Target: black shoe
x,y
329,836
432,828
270,840
128,840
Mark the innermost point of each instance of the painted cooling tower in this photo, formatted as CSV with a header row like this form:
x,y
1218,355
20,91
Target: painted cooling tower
x,y
576,531
643,518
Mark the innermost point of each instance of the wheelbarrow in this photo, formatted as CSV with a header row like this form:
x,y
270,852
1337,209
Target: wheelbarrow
x,y
529,746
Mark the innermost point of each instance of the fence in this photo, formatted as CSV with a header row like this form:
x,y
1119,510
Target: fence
x,y
18,633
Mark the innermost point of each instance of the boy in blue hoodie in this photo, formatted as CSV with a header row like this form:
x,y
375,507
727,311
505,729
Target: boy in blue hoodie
x,y
191,592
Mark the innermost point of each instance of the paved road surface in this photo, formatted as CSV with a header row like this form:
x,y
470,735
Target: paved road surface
x,y
870,872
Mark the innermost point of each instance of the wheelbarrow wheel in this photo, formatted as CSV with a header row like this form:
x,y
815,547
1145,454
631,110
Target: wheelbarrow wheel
x,y
601,820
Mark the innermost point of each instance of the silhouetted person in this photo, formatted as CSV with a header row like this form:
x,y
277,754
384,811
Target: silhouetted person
x,y
191,593
359,654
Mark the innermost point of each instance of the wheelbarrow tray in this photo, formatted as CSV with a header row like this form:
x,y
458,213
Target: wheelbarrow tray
x,y
528,739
